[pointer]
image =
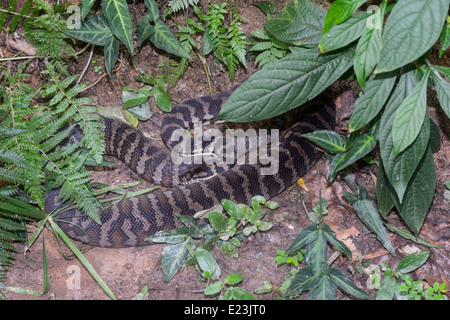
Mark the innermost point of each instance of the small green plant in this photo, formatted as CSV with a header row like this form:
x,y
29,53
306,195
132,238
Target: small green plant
x,y
317,276
211,271
294,258
226,232
399,284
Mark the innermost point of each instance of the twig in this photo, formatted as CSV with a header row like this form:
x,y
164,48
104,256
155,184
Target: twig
x,y
87,64
94,83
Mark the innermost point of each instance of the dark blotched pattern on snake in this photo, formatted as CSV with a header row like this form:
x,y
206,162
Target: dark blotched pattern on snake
x,y
130,221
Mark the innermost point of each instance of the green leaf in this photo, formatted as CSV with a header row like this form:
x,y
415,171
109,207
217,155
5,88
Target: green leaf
x,y
331,141
218,221
303,280
343,34
152,8
443,92
167,237
383,190
111,52
368,48
400,169
419,193
445,37
404,233
144,29
118,16
370,103
409,117
412,27
207,263
93,30
339,11
233,279
163,38
331,237
174,257
232,209
413,261
360,147
214,288
299,22
86,7
305,237
325,289
284,85
266,7
368,213
316,253
387,288
341,280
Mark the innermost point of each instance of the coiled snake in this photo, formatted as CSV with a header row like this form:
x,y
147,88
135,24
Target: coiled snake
x,y
128,222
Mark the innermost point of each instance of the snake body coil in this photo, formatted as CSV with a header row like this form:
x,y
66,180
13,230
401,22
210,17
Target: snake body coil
x,y
130,221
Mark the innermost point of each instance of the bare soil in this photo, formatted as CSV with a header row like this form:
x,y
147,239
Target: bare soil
x,y
127,271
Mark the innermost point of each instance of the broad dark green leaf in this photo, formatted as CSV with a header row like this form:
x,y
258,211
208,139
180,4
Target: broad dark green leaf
x,y
152,8
285,84
218,221
413,261
93,30
412,27
445,37
299,22
162,99
419,193
443,91
163,38
383,190
119,18
232,209
370,103
305,237
302,281
331,141
343,34
325,289
339,11
400,169
341,280
173,258
331,237
368,213
266,7
144,29
360,147
111,52
409,117
86,7
368,48
316,253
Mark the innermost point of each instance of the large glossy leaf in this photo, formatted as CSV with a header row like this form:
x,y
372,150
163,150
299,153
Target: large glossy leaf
x,y
341,280
384,191
329,140
284,85
412,27
316,253
111,52
301,21
305,237
325,289
345,33
207,263
370,103
339,11
413,261
173,258
419,193
118,16
443,92
331,238
93,30
368,213
409,117
400,169
86,7
303,280
369,48
163,38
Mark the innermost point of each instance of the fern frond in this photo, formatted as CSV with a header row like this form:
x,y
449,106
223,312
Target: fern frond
x,y
177,5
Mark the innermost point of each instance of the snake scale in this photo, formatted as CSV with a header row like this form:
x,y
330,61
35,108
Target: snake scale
x,y
127,223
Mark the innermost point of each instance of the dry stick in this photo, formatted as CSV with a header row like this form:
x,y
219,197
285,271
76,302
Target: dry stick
x,y
87,64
